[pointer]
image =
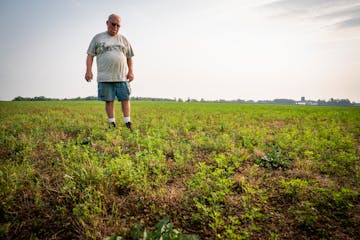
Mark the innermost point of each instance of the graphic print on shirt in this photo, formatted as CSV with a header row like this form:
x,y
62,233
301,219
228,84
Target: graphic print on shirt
x,y
101,48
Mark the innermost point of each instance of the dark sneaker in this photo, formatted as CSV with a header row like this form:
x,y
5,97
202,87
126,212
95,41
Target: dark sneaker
x,y
128,125
112,125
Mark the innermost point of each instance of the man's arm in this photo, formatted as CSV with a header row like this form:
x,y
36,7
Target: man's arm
x,y
130,74
89,62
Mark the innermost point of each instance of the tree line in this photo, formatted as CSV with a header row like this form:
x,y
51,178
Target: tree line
x,y
330,102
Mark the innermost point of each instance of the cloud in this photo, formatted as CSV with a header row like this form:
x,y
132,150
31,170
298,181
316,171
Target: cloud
x,y
350,23
352,12
339,13
304,4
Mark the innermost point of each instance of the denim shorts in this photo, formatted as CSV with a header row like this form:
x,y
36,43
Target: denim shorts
x,y
108,90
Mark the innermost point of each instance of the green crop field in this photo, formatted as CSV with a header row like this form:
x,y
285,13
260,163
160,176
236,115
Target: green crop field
x,y
188,171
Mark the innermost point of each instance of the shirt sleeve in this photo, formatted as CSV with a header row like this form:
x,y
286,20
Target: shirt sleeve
x,y
129,53
129,50
92,48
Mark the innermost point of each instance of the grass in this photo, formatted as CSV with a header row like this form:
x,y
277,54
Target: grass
x,y
188,171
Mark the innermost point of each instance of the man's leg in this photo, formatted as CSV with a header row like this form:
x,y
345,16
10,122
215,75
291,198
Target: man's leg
x,y
125,106
110,111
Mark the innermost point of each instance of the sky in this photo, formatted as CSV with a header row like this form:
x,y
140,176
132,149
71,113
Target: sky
x,y
244,49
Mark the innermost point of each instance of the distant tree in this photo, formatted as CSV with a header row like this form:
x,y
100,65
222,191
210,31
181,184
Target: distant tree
x,y
284,101
343,102
40,98
19,99
321,102
91,98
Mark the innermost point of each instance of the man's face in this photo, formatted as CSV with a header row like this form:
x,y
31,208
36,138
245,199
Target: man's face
x,y
113,26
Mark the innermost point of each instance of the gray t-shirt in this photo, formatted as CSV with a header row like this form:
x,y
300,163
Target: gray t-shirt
x,y
111,54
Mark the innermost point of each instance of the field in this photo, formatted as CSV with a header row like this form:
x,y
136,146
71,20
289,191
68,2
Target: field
x,y
188,171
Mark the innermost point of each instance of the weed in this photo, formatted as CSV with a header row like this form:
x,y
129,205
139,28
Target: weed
x,y
220,171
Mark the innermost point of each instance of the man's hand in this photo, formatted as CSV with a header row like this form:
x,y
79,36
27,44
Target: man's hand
x,y
89,62
88,76
130,76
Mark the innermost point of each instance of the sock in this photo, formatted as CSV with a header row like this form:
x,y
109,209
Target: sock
x,y
111,120
127,119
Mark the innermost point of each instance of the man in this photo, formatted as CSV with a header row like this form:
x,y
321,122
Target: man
x,y
114,68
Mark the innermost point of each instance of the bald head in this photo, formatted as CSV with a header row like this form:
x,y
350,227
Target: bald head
x,y
113,16
113,24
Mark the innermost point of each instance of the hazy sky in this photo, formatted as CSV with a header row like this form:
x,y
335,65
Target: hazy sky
x,y
244,49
